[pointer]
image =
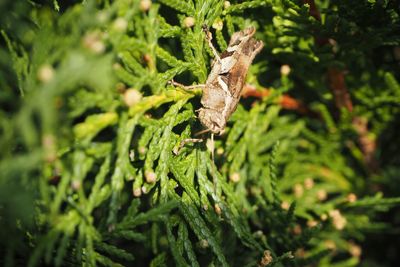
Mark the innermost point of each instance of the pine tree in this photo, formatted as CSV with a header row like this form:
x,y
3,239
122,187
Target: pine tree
x,y
305,174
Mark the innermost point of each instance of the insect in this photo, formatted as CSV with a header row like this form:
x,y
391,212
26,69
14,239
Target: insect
x,y
221,92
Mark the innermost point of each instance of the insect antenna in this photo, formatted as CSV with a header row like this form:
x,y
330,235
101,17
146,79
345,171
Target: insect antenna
x,y
202,132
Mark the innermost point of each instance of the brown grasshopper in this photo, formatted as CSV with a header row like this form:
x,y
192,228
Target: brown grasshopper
x,y
221,92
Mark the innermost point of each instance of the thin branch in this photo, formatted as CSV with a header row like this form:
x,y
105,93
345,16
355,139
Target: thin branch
x,y
286,101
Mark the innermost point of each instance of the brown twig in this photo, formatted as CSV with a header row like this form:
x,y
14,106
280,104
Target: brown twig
x,y
367,142
339,90
285,101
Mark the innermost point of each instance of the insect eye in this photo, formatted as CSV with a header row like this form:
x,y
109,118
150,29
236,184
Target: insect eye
x,y
236,42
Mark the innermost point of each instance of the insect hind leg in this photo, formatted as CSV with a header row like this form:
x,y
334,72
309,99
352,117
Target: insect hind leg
x,y
178,148
186,87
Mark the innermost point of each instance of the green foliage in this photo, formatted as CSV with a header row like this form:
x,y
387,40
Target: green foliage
x,y
89,123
